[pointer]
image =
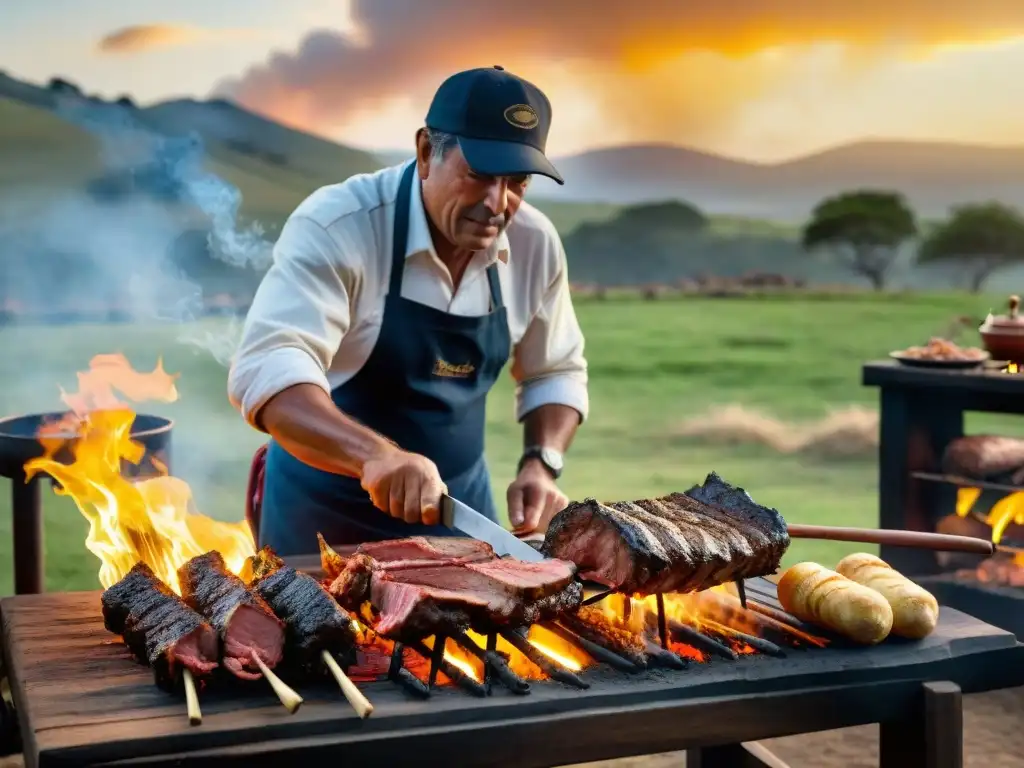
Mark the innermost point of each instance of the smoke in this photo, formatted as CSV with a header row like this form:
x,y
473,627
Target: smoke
x,y
153,214
135,242
687,66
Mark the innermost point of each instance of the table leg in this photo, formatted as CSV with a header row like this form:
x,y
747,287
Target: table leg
x,y
748,755
930,735
27,529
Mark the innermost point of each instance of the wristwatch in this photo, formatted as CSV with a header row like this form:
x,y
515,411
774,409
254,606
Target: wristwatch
x,y
549,457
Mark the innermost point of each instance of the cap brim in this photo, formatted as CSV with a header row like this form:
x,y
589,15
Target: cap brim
x,y
506,158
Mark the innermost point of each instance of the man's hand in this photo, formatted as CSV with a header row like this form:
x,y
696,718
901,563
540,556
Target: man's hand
x,y
405,485
533,499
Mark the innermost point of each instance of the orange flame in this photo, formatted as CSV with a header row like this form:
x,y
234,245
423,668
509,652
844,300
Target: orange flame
x,y
1009,509
151,521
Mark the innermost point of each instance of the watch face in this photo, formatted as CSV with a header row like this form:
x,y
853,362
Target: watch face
x,y
552,458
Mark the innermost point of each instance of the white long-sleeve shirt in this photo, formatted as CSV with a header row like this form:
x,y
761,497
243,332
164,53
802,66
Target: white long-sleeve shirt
x,y
317,313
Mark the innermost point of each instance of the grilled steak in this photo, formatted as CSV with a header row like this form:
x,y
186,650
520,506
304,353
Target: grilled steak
x,y
409,553
315,622
985,457
244,621
158,627
422,596
710,535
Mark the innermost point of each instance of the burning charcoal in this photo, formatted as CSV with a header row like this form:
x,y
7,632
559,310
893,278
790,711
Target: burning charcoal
x,y
759,644
691,637
662,658
518,640
436,658
158,627
596,651
403,677
592,625
453,673
498,665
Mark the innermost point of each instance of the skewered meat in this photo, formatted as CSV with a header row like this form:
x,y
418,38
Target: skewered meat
x,y
158,627
244,621
689,542
985,457
422,596
315,622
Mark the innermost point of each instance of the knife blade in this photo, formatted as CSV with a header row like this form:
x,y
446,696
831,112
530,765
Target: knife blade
x,y
455,514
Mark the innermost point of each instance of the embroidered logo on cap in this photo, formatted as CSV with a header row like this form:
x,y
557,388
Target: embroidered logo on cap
x,y
522,116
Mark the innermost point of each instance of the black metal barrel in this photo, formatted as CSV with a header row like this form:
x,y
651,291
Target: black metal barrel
x,y
19,444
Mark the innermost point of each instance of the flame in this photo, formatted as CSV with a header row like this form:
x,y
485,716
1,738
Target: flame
x,y
130,521
715,612
1008,510
1012,368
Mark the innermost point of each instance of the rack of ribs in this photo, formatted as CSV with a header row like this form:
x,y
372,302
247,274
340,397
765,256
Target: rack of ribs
x,y
682,542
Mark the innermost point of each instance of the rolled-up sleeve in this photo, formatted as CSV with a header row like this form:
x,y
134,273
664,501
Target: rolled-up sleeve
x,y
548,363
298,317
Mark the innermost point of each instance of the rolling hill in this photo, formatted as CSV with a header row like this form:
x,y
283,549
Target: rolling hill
x,y
275,166
933,175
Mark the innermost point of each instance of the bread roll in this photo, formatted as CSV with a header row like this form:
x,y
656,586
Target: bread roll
x,y
915,611
814,594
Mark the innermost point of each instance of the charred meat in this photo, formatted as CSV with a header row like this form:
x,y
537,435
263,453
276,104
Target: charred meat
x,y
712,534
418,592
158,627
244,621
315,622
986,457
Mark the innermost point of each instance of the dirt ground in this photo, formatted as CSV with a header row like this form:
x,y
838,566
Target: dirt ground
x,y
993,738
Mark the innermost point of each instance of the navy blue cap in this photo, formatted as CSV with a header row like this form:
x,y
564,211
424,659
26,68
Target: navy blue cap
x,y
500,120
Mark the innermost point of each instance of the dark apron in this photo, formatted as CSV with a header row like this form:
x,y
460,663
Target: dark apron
x,y
425,387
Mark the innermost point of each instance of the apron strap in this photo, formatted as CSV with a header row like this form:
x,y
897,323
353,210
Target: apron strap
x,y
400,232
495,286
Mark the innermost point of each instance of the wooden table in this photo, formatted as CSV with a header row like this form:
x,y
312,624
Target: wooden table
x,y
81,701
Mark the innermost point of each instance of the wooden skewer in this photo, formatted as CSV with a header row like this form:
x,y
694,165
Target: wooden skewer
x,y
195,716
939,542
355,697
291,700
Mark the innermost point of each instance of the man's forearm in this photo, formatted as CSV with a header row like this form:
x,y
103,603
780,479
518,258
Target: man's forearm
x,y
305,421
551,426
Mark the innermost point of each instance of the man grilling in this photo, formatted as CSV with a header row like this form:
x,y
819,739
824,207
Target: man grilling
x,y
394,301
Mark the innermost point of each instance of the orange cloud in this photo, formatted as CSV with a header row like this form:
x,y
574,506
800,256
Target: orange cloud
x,y
147,37
659,66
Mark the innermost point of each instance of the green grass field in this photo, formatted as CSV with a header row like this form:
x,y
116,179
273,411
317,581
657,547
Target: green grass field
x,y
653,365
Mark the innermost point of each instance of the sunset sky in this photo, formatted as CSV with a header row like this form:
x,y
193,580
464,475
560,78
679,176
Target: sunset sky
x,y
727,76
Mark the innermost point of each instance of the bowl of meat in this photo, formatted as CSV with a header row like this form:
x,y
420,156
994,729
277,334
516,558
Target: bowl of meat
x,y
1003,335
941,353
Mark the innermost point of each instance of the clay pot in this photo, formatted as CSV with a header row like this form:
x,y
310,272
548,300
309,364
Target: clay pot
x,y
1003,335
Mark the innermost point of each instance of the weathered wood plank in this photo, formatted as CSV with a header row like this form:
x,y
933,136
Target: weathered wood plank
x,y
81,699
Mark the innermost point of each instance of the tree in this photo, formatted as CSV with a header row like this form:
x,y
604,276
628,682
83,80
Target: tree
x,y
866,228
981,237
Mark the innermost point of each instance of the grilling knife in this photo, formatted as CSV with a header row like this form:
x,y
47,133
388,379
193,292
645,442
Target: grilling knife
x,y
455,514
